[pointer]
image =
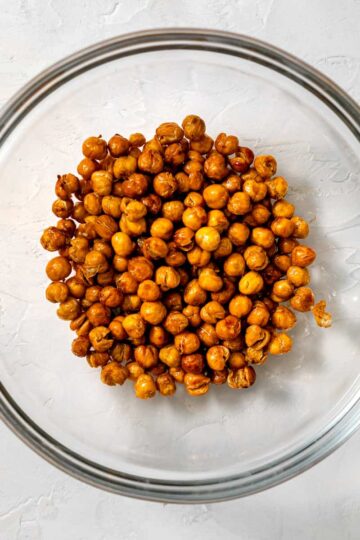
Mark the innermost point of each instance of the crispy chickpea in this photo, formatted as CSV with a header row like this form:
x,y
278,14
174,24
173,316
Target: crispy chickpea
x,y
218,220
184,238
256,258
121,352
255,356
212,312
116,328
134,370
148,291
127,283
301,227
174,155
234,344
207,335
132,228
194,127
283,318
227,292
283,262
298,276
58,268
259,315
134,210
232,183
194,294
262,237
271,274
131,303
283,289
169,132
124,166
242,159
241,378
237,360
283,209
105,226
111,297
302,256
78,212
256,190
140,268
196,384
239,204
62,209
238,233
99,339
175,257
187,342
166,278
166,384
103,247
228,328
154,248
57,292
145,387
66,185
76,288
153,312
113,373
170,356
178,374
173,210
92,204
193,199
257,337
198,257
265,165
226,144
287,245
95,263
101,182
251,283
80,346
209,280
86,167
208,238
216,196
136,185
240,306
217,356
283,227
94,148
224,250
303,299
137,139
165,184
175,322
118,145
194,218
98,359
259,215
146,356
150,161
183,182
105,278
134,325
192,363
234,265
215,166
280,344
162,228
152,203
277,187
173,301
53,239
120,263
122,244
192,313
69,309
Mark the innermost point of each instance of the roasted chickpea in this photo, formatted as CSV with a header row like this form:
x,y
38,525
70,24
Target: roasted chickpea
x,y
57,292
174,155
98,314
66,185
194,294
150,161
134,370
80,346
212,312
224,250
135,210
208,238
141,268
283,209
162,228
122,244
86,167
258,216
203,145
111,297
169,132
215,166
98,359
196,384
256,190
166,384
165,184
283,289
262,237
242,160
118,145
69,310
184,238
301,227
216,196
62,209
58,268
217,220
257,337
194,127
240,306
207,335
92,204
136,185
173,210
152,203
239,204
251,283
78,212
193,199
256,258
105,226
145,387
101,182
280,344
146,356
228,328
227,292
127,283
226,144
217,356
219,377
192,313
287,245
124,166
166,278
234,265
302,256
283,227
113,373
209,280
76,288
186,342
94,148
265,165
153,312
237,360
92,294
232,183
298,276
175,257
241,378
134,325
95,263
277,187
194,218
283,318
238,233
259,315
192,363
198,257
303,299
283,262
175,322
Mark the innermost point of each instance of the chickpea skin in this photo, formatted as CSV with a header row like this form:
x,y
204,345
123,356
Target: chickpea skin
x,y
113,374
303,299
167,278
166,384
196,384
241,378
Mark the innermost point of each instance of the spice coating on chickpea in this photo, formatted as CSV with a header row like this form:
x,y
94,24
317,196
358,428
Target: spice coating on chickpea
x,y
174,257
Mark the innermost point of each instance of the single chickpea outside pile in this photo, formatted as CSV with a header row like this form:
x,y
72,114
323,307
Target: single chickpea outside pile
x,y
176,258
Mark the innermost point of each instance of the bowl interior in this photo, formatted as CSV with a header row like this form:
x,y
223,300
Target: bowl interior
x,y
227,432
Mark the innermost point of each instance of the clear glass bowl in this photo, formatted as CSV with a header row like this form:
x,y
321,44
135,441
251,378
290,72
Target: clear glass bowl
x,y
226,444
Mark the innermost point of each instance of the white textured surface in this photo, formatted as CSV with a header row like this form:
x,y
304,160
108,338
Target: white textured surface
x,y
39,502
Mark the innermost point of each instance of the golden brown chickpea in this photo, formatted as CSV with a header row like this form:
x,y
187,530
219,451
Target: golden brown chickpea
x,y
271,274
217,356
251,283
101,182
283,318
208,238
58,268
232,183
194,294
228,328
175,322
238,233
259,315
57,292
111,297
92,204
162,228
256,258
234,266
212,312
301,227
103,247
262,237
283,289
219,377
86,167
127,283
76,288
140,268
187,342
62,209
158,336
169,132
242,159
135,186
195,156
167,278
145,387
192,363
209,280
256,190
134,325
173,210
193,199
302,256
107,164
113,374
69,310
196,384
131,303
240,306
277,187
283,209
227,292
280,344
257,337
105,278
259,214
237,360
217,220
124,166
122,244
53,239
154,248
97,359
183,182
303,299
215,166
286,245
150,161
165,184
134,210
166,384
105,226
99,339
224,249
207,335
194,218
283,227
226,144
234,344
116,328
153,312
134,370
121,352
137,139
283,262
198,257
120,263
146,356
216,196
175,257
174,155
265,165
79,213
178,374
94,148
80,346
239,204
192,313
93,294
184,239
173,301
132,228
118,145
170,356
68,184
298,276
194,127
152,203
255,356
241,378
95,263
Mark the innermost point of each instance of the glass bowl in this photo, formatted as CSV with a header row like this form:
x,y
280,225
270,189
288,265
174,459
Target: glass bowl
x,y
228,443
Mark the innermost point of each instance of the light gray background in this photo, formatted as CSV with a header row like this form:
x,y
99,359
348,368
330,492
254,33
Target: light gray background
x,y
38,502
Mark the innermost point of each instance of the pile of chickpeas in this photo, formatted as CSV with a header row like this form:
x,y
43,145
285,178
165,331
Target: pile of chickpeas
x,y
176,257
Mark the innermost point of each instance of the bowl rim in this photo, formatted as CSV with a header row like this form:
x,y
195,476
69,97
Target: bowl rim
x,y
200,491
